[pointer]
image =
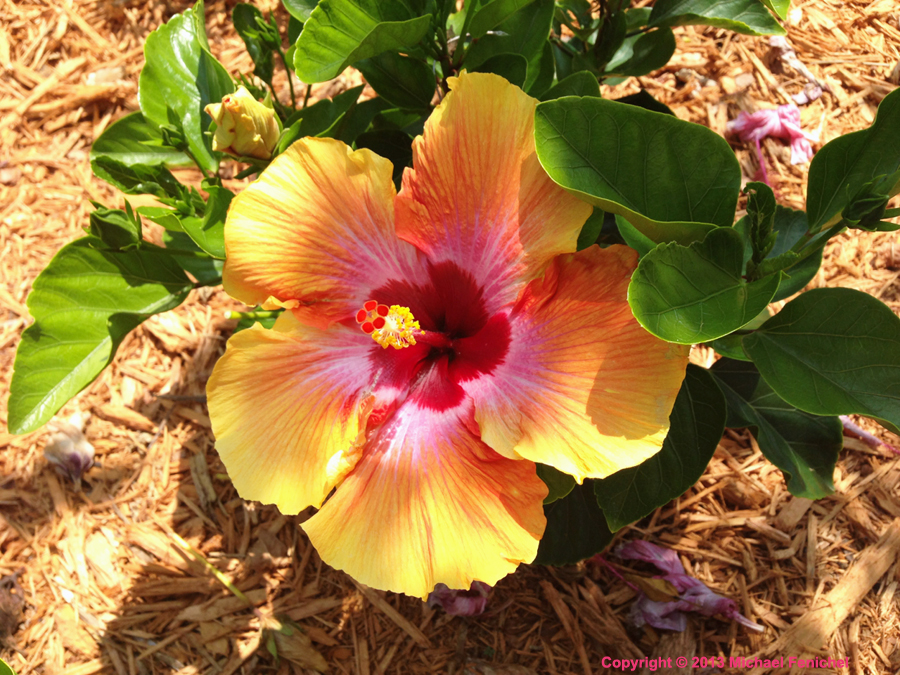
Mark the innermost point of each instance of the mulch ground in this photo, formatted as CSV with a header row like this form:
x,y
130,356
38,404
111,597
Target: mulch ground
x,y
106,574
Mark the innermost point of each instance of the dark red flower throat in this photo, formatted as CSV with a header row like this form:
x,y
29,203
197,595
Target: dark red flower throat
x,y
459,342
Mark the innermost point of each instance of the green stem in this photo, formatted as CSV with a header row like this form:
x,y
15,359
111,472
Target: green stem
x,y
178,252
290,82
261,314
308,92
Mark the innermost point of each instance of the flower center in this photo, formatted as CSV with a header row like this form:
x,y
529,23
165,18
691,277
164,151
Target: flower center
x,y
393,326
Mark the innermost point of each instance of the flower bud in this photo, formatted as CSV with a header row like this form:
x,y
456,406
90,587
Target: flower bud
x,y
244,126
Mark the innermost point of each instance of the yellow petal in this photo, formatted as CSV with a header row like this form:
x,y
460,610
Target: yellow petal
x,y
287,407
584,388
477,194
316,231
429,503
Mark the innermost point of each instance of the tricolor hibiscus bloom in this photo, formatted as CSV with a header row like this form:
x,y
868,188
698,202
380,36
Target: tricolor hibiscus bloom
x,y
436,343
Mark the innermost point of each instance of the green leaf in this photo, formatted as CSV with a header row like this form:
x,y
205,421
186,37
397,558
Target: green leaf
x,y
179,73
511,67
317,119
690,294
524,33
360,117
546,71
300,9
805,447
576,528
590,231
489,14
841,168
644,100
244,17
780,7
672,180
790,226
641,54
167,218
832,351
131,140
391,144
560,484
577,84
696,425
117,229
138,179
749,17
342,32
83,303
402,81
209,232
5,668
731,345
207,271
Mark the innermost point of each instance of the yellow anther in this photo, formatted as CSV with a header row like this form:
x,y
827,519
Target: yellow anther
x,y
398,330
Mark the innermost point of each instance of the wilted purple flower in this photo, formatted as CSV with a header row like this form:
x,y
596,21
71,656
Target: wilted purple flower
x,y
68,449
783,122
694,595
460,602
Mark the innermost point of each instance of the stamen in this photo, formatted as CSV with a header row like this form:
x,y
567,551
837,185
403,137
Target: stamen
x,y
393,326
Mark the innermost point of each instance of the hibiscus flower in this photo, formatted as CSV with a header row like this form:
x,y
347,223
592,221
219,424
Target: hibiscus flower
x,y
436,343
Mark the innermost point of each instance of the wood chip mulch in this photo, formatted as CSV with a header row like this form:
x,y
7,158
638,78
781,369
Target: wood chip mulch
x,y
102,580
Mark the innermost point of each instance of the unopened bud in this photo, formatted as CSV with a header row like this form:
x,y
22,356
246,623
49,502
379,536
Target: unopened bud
x,y
244,126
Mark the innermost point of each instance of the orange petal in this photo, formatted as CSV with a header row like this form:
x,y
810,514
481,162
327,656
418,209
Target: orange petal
x,y
477,194
317,227
287,406
584,388
429,503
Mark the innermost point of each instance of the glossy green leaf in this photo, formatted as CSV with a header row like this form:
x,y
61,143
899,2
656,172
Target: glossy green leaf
x,y
641,54
317,119
560,484
179,73
511,67
132,140
690,294
590,231
360,117
732,345
485,15
244,17
209,232
524,33
749,17
805,447
167,218
391,144
576,84
644,100
402,81
790,226
780,7
832,351
138,179
576,528
206,270
342,32
697,422
117,229
300,9
546,71
672,180
83,303
847,163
